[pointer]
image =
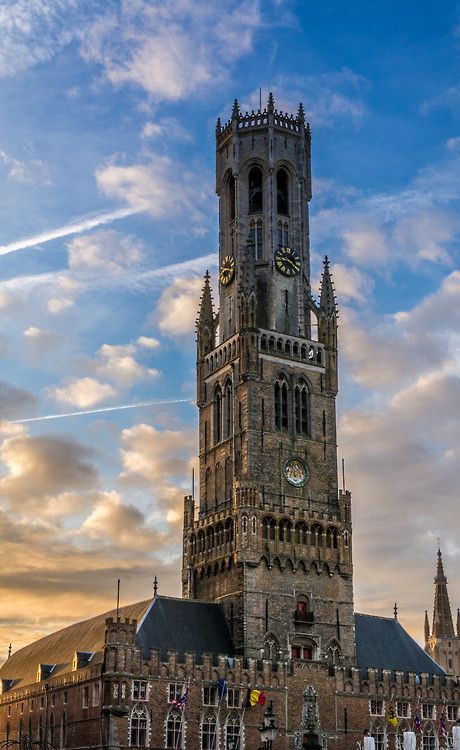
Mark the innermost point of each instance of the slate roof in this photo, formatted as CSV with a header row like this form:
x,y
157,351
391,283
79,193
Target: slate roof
x,y
184,625
382,643
59,648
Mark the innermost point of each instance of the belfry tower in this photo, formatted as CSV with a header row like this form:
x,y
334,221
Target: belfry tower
x,y
443,644
271,538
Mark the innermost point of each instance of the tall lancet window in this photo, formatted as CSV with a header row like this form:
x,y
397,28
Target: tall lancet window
x,y
301,408
231,198
255,190
228,410
281,404
217,414
282,192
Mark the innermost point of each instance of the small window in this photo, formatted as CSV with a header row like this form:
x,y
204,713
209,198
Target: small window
x,y
139,690
21,708
209,733
115,689
96,693
254,525
451,713
85,698
402,709
123,689
42,701
175,691
376,707
210,695
427,711
295,652
64,697
53,700
31,705
233,698
245,524
256,240
283,235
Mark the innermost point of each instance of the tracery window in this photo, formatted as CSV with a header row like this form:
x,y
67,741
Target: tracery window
x,y
282,191
281,405
138,729
175,726
228,407
283,234
255,190
301,408
209,733
233,733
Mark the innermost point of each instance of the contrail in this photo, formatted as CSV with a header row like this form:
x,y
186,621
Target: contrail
x,y
79,225
103,409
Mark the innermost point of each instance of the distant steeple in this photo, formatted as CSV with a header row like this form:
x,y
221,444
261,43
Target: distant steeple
x,y
327,298
458,623
206,321
427,626
442,617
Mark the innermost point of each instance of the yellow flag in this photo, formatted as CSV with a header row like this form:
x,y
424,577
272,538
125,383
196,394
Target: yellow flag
x,y
391,716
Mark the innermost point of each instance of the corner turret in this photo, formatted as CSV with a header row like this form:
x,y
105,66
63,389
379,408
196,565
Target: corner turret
x,y
327,327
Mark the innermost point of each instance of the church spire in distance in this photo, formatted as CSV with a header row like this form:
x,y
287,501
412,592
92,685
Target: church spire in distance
x,y
442,617
327,297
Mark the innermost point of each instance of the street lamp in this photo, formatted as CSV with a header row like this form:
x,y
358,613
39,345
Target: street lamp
x,y
268,730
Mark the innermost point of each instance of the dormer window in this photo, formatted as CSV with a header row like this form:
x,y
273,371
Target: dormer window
x,y
255,190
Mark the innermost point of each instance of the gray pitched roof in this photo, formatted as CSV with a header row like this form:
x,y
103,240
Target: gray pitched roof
x,y
184,625
382,643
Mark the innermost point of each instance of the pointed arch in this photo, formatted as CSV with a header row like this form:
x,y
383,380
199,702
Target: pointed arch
x,y
281,396
228,409
282,191
217,414
233,732
302,407
175,726
209,731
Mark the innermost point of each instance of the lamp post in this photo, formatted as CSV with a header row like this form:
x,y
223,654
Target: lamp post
x,y
268,730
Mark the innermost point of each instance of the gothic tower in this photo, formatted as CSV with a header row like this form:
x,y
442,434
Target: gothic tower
x,y
443,645
271,539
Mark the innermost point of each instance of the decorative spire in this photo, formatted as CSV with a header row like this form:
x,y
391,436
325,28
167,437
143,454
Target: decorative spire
x,y
327,296
218,126
442,617
395,610
271,103
427,627
301,113
235,110
155,586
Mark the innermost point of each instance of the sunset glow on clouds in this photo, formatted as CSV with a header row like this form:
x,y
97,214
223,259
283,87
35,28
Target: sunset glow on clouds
x,y
108,223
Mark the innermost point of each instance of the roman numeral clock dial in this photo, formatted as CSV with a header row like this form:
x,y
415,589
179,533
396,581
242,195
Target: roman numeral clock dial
x,y
287,261
227,270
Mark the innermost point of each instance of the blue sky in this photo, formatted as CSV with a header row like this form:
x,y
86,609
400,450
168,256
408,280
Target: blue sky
x,y
108,221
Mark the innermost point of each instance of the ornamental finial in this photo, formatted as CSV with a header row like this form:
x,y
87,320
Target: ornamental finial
x,y
301,113
235,110
271,103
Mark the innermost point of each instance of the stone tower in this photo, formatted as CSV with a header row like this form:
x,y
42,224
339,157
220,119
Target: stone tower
x,y
442,644
271,538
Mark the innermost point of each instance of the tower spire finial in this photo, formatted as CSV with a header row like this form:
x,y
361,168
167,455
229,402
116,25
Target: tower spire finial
x,y
443,626
426,627
271,103
395,610
301,113
235,110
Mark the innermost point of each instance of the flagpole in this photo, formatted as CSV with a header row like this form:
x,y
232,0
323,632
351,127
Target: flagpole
x,y
241,728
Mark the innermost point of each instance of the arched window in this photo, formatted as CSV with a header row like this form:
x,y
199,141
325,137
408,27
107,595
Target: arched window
x,y
233,733
345,538
429,737
207,488
284,531
228,410
231,197
228,531
217,414
301,408
281,405
282,191
218,484
255,190
64,729
175,726
254,524
209,732
379,736
244,524
138,729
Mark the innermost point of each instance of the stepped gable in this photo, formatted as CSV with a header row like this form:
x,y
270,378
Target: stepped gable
x,y
184,625
382,643
59,648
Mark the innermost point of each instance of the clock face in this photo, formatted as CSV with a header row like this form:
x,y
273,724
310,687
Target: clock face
x,y
296,472
227,270
287,261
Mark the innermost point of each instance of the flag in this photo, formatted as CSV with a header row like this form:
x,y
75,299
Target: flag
x,y
180,702
221,688
417,723
254,697
391,716
442,724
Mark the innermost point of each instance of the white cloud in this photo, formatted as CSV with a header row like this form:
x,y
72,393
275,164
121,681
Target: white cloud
x,y
41,339
118,365
82,392
166,128
172,50
148,342
105,250
58,304
32,172
178,306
